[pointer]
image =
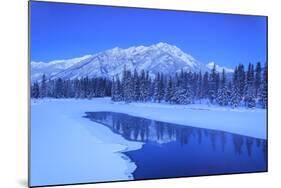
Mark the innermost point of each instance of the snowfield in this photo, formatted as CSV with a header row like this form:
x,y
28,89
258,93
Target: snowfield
x,y
67,148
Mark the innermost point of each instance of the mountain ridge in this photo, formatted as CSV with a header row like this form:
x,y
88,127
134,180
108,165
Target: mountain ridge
x,y
160,57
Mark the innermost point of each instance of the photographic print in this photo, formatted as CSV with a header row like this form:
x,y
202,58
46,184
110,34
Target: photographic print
x,y
121,94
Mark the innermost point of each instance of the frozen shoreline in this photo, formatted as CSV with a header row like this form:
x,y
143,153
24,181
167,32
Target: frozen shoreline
x,y
67,148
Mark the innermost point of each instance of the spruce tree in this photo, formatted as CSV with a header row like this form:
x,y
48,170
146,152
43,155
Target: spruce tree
x,y
136,86
205,85
223,79
264,97
181,95
194,84
43,87
114,90
59,88
200,87
147,85
169,90
143,89
128,87
119,92
249,98
212,85
223,96
240,84
235,97
35,91
257,79
158,88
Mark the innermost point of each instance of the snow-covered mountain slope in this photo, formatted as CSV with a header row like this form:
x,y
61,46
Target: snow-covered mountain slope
x,y
161,57
219,68
53,67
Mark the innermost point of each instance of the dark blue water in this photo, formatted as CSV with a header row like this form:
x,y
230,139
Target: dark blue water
x,y
173,150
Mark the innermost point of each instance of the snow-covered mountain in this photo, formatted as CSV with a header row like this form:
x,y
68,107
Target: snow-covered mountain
x,y
161,57
219,68
53,67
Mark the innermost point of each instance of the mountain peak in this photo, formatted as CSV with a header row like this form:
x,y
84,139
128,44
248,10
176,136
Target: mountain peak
x,y
163,44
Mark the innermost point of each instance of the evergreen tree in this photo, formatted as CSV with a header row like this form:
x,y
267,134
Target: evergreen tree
x,y
35,91
169,90
235,76
235,97
50,87
83,88
223,96
200,86
143,87
250,76
43,87
77,88
159,88
128,87
257,79
249,98
162,87
223,79
217,81
240,84
147,87
212,85
151,90
194,84
59,88
205,86
119,89
91,86
264,97
107,89
114,90
136,86
182,95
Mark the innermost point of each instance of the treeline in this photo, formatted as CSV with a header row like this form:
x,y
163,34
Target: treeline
x,y
245,88
77,88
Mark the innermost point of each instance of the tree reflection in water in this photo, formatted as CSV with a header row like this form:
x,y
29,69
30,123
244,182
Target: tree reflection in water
x,y
145,130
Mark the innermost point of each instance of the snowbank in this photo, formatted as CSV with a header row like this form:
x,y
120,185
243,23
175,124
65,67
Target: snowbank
x,y
66,148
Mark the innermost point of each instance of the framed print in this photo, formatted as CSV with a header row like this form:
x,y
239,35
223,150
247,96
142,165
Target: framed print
x,y
125,93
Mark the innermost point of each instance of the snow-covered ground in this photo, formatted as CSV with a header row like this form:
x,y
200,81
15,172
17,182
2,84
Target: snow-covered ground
x,y
66,148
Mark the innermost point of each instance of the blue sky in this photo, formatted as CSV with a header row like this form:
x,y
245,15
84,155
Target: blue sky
x,y
62,31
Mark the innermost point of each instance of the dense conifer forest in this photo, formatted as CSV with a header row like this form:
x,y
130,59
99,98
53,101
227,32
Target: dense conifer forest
x,y
246,86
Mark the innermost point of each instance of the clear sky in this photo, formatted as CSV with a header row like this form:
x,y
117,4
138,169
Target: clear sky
x,y
62,31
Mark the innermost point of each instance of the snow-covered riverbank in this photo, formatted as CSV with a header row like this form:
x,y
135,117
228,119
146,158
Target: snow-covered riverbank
x,y
67,148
